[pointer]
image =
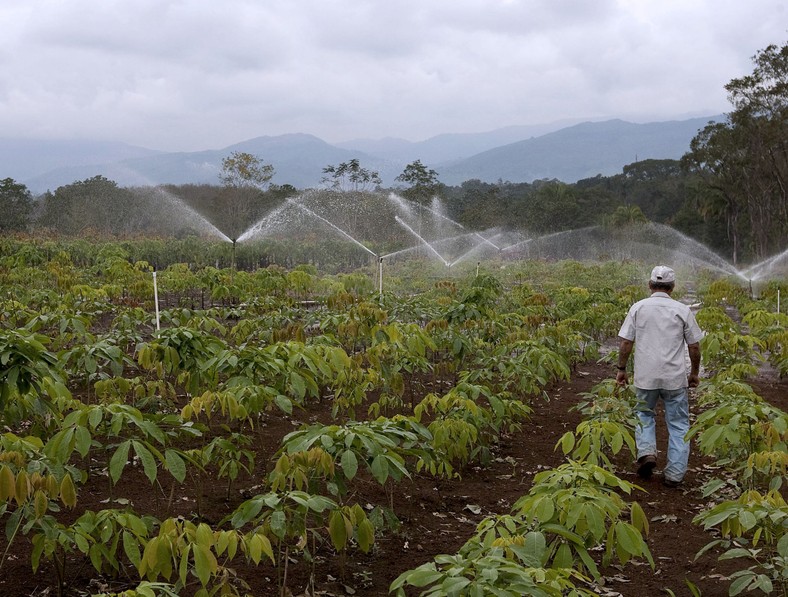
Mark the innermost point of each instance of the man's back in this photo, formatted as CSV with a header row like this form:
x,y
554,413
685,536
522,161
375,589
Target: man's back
x,y
661,328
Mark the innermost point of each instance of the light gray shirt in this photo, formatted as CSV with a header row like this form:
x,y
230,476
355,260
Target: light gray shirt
x,y
661,328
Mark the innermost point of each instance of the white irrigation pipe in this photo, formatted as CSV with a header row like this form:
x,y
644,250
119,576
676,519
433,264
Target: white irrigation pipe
x,y
380,276
156,300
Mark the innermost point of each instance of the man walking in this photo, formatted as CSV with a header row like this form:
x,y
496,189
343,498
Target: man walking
x,y
659,327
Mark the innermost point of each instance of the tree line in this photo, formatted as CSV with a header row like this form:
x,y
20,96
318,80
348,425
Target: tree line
x,y
728,191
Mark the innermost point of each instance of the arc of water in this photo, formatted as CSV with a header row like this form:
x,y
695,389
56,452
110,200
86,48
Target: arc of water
x,y
698,251
259,225
468,253
400,252
492,244
427,244
180,204
517,244
440,215
400,202
334,226
755,271
551,235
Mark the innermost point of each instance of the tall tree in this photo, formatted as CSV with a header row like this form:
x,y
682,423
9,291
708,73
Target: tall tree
x,y
92,205
240,170
423,181
715,156
350,176
748,154
16,205
627,215
551,207
245,178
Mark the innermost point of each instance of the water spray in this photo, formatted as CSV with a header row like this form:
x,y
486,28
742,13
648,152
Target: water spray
x,y
334,226
492,244
416,234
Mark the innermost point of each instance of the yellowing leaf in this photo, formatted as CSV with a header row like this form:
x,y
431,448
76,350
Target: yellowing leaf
x,y
7,483
41,503
68,493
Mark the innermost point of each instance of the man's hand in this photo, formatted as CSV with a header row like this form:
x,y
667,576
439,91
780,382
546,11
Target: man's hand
x,y
624,350
694,355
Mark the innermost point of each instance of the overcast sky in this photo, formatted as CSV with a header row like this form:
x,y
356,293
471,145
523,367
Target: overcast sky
x,y
204,74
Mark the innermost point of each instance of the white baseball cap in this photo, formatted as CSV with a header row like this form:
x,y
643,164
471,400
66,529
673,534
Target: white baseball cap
x,y
662,273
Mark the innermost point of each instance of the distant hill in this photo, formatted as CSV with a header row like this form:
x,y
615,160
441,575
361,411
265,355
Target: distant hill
x,y
297,159
515,154
446,148
22,159
580,151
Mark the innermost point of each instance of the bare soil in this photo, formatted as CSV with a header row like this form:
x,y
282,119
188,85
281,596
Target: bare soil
x,y
437,516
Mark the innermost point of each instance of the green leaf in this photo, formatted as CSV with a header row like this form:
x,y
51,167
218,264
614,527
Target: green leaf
x,y
563,557
453,584
595,521
279,524
782,546
118,461
284,403
747,520
204,563
567,442
544,509
298,384
617,442
365,535
629,539
349,464
83,440
422,578
638,518
738,585
132,548
380,468
337,530
175,464
148,462
533,552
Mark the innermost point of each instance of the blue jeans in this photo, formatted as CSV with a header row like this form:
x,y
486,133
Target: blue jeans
x,y
677,420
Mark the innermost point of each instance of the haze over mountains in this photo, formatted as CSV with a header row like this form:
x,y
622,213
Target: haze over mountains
x,y
563,151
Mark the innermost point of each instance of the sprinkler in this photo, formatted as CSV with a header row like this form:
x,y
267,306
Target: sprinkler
x,y
232,259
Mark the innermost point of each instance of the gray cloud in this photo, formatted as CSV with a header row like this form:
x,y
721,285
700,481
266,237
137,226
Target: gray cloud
x,y
203,74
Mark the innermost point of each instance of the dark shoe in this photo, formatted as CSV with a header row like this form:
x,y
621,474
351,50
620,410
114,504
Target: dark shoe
x,y
646,466
670,482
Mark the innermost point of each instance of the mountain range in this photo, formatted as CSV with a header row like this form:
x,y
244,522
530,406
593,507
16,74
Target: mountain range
x,y
563,151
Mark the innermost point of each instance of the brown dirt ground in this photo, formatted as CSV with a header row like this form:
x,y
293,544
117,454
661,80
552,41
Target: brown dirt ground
x,y
434,513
